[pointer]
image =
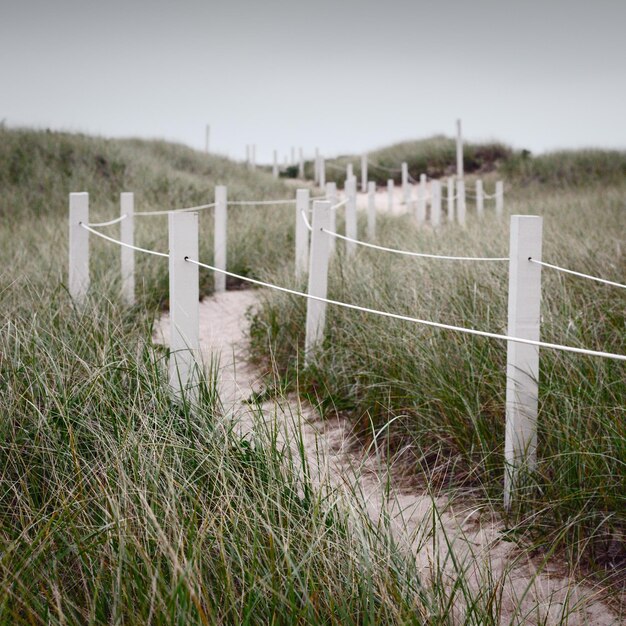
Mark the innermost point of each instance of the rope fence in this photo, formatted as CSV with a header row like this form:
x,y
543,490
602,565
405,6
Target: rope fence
x,y
313,251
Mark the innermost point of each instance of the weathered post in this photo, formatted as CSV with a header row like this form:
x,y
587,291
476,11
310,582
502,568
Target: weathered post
x,y
459,151
420,214
318,279
331,196
78,278
351,225
371,210
451,199
390,195
460,193
302,232
364,173
220,237
522,368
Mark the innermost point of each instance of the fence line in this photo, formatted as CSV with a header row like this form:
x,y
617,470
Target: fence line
x,y
573,273
413,254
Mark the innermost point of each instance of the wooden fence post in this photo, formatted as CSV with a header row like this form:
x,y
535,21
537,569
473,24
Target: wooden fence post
x,y
316,166
371,210
451,199
390,195
301,164
322,172
459,151
220,236
351,226
522,367
275,166
302,232
184,295
127,235
480,199
318,279
207,138
460,192
364,186
420,213
78,274
331,196
349,171
435,208
499,198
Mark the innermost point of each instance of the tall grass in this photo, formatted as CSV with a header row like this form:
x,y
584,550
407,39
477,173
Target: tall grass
x,y
443,393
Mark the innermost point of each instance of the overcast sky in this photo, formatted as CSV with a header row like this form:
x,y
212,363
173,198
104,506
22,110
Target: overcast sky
x,y
344,75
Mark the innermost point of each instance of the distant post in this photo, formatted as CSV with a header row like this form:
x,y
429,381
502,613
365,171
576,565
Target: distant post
x,y
364,173
316,168
390,194
275,165
460,194
459,151
351,226
522,368
207,138
322,172
220,236
301,165
435,212
371,210
405,185
127,236
450,199
78,279
331,196
420,214
349,171
302,232
499,198
480,199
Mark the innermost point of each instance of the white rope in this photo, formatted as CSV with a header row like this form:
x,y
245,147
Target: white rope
x,y
306,221
110,223
339,205
415,254
191,208
489,197
406,318
121,243
566,271
259,202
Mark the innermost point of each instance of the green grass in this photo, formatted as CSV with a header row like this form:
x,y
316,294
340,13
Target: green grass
x,y
118,505
445,391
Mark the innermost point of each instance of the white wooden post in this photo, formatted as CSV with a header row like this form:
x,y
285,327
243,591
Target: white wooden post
x,y
206,139
349,171
480,199
405,185
420,214
460,192
331,196
301,165
371,210
78,274
127,235
451,199
302,232
351,226
522,367
293,156
322,172
275,165
316,167
364,185
499,198
184,296
459,151
435,211
390,194
318,279
220,237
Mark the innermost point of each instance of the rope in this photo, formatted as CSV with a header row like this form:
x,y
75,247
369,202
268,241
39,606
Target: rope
x,y
110,223
566,271
191,208
415,254
259,202
406,318
339,205
306,221
121,243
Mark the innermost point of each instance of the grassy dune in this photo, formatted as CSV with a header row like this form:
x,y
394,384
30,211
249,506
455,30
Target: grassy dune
x,y
119,506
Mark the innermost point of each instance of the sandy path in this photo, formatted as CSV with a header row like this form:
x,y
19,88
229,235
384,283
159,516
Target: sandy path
x,y
475,534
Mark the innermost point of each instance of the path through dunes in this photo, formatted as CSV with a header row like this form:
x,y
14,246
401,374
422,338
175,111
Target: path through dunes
x,y
465,534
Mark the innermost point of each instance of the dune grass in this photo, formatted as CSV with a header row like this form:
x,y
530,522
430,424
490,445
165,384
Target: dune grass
x,y
120,506
443,393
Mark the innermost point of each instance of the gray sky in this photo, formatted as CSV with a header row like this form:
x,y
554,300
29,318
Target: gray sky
x,y
348,75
